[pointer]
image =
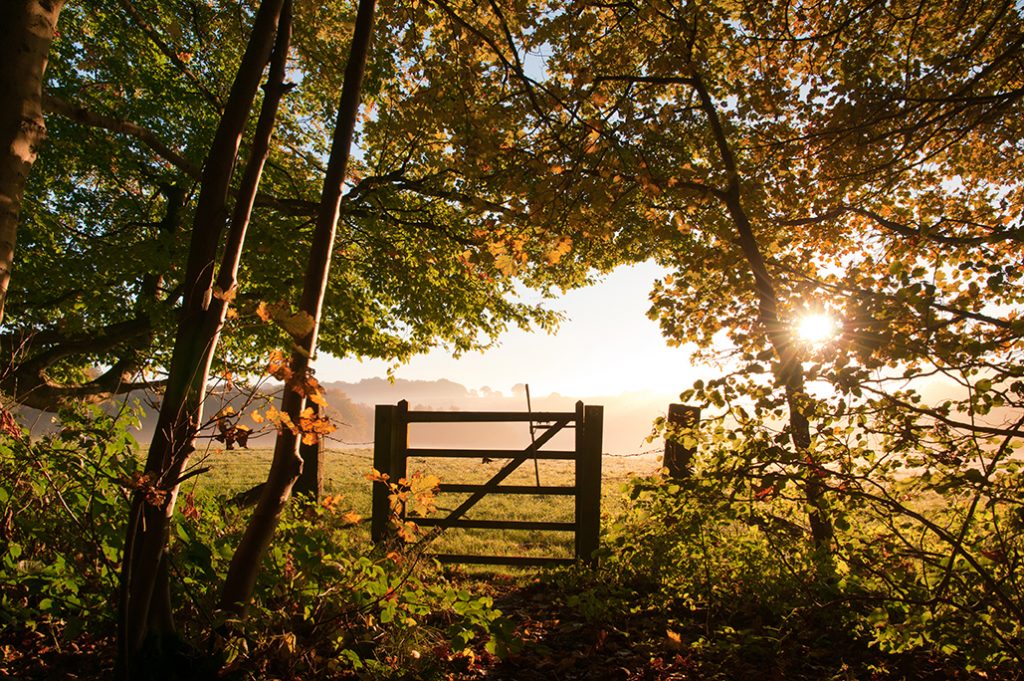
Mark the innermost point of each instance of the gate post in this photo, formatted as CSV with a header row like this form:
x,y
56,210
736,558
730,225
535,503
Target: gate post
x,y
399,442
679,459
383,418
589,441
390,440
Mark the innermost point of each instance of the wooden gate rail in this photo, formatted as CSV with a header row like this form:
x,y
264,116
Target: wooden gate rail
x,y
391,453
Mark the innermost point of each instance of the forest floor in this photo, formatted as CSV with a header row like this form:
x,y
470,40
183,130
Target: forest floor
x,y
558,644
556,641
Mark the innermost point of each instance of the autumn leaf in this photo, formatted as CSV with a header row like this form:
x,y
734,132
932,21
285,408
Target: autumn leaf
x,y
299,324
263,311
189,509
278,366
559,249
313,426
407,530
227,296
376,476
505,264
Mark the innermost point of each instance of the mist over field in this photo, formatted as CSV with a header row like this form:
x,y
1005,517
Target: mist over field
x,y
628,416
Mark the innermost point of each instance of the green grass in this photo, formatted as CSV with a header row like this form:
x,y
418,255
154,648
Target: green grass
x,y
345,473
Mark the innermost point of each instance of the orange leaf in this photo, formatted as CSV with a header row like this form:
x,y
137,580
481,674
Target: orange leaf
x,y
263,311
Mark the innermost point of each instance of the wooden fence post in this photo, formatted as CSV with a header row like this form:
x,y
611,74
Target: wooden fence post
x,y
679,459
589,440
399,443
311,480
383,417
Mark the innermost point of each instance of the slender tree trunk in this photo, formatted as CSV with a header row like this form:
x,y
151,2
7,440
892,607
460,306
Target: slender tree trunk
x,y
790,373
145,601
287,463
27,27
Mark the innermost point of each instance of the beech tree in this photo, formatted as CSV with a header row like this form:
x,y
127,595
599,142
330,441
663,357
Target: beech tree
x,y
134,96
146,609
859,159
30,27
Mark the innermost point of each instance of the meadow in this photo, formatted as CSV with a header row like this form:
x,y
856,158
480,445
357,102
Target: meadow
x,y
345,482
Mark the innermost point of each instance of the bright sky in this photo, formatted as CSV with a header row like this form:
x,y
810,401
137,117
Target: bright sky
x,y
606,346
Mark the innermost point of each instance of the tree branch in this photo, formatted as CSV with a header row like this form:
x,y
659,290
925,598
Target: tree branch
x,y
129,7
79,114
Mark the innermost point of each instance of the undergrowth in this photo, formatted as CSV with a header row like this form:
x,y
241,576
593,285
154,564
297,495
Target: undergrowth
x,y
327,603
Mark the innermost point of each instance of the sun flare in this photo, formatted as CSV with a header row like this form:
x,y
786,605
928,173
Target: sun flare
x,y
817,328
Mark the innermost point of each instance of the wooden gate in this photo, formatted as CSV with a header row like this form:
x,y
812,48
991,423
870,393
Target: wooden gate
x,y
391,452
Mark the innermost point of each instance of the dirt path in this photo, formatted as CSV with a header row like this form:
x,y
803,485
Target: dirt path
x,y
559,644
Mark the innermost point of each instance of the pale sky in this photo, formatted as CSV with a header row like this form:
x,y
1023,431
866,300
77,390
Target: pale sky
x,y
606,346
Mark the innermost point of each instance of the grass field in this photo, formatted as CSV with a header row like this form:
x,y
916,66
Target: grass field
x,y
345,473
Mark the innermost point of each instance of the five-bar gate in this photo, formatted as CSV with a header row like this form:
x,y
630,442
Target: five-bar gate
x,y
391,452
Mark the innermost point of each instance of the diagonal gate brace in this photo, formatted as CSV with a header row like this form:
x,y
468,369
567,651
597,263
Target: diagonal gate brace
x,y
492,484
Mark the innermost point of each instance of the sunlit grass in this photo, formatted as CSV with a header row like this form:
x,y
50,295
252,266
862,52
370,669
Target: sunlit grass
x,y
231,472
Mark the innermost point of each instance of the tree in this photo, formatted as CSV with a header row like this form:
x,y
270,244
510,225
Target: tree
x,y
146,610
30,27
783,161
860,159
134,95
288,463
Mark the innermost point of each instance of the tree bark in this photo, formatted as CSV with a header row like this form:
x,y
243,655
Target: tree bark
x,y
287,463
790,373
29,27
144,565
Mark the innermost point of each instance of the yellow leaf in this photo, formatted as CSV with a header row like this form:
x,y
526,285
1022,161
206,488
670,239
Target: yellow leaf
x,y
351,517
263,311
505,263
376,476
559,249
277,366
226,296
298,325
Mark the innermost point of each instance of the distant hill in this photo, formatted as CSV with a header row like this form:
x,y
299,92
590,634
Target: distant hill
x,y
381,391
354,421
628,416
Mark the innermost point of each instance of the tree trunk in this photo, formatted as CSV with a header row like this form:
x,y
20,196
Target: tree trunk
x,y
28,29
790,373
145,608
287,463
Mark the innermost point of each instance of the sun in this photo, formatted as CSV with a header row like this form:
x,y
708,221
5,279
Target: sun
x,y
816,328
